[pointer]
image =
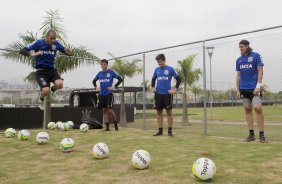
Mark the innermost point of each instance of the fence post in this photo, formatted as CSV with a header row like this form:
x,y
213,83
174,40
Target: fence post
x,y
144,92
47,112
205,88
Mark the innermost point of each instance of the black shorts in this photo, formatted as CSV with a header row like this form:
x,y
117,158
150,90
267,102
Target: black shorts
x,y
163,101
248,93
106,101
44,77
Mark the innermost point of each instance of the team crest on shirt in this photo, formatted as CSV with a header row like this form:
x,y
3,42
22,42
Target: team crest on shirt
x,y
166,72
54,47
250,59
108,75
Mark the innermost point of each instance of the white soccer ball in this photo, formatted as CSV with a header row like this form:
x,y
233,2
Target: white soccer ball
x,y
71,124
59,125
51,125
23,135
84,127
10,132
42,138
141,159
100,150
65,126
67,145
204,169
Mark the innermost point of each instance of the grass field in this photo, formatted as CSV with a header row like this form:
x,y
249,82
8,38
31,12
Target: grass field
x,y
222,122
172,159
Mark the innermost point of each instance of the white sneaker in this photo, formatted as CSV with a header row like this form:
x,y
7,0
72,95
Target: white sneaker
x,y
54,96
41,104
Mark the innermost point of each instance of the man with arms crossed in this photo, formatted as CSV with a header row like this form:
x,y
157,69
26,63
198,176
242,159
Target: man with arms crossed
x,y
249,67
163,92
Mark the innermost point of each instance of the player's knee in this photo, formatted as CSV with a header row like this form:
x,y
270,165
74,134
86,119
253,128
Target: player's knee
x,y
45,91
169,112
104,110
258,109
59,84
159,112
248,109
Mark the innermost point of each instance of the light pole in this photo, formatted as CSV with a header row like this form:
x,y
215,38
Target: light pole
x,y
210,52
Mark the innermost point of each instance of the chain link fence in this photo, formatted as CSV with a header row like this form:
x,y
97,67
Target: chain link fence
x,y
222,115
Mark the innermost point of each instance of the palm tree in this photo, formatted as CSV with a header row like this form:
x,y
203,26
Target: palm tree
x,y
196,90
53,21
125,69
189,76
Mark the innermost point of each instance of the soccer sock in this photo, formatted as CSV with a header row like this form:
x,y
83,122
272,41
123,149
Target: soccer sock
x,y
251,132
261,133
115,122
161,130
107,125
169,129
52,89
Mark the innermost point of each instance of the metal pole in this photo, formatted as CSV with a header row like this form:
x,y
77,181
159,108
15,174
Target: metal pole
x,y
47,112
211,83
205,88
144,92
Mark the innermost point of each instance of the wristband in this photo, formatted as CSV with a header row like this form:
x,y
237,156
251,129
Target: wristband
x,y
258,85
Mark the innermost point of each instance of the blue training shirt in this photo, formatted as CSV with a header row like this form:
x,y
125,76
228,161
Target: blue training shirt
x,y
247,66
106,80
47,59
163,76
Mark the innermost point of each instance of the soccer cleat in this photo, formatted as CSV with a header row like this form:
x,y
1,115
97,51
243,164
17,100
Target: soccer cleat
x,y
262,139
41,104
158,134
250,138
116,127
170,134
54,96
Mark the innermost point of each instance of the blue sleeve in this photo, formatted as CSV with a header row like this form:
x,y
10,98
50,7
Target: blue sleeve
x,y
97,76
60,47
115,75
237,66
174,73
33,46
259,61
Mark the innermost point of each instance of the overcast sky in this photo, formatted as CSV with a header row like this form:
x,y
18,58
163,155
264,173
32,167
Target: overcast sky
x,y
128,26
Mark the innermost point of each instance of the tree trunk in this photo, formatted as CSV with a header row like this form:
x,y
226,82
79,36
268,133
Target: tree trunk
x,y
184,108
122,119
195,100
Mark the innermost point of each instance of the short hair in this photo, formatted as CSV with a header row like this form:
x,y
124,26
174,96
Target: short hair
x,y
104,61
244,42
51,32
160,57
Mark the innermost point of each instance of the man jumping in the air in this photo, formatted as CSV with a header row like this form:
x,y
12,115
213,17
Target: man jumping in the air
x,y
44,51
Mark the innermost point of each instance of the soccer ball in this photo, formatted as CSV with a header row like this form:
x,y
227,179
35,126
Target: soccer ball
x,y
100,150
67,145
71,124
141,159
23,135
51,125
65,126
59,124
204,169
42,138
10,132
84,127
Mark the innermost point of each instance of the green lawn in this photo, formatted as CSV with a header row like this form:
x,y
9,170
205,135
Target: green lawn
x,y
172,159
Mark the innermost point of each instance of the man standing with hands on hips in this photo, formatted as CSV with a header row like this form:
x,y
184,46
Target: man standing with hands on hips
x,y
163,92
249,67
